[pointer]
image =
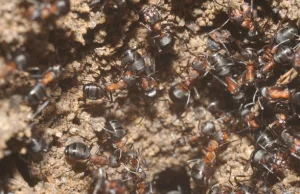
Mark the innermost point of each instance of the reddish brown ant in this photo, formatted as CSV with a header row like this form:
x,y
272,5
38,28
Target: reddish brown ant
x,y
163,38
234,88
250,117
39,91
125,82
180,93
244,16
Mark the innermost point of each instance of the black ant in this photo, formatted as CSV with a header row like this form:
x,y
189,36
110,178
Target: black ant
x,y
41,11
39,91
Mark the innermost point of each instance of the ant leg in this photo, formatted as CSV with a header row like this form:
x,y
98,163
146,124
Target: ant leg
x,y
221,81
295,47
253,100
115,153
101,179
196,93
173,137
40,109
188,99
251,10
193,160
296,156
261,107
144,114
145,26
143,160
220,26
129,169
138,165
150,188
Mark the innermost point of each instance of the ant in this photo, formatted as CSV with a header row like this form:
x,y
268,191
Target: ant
x,y
103,185
79,151
222,67
244,17
211,129
94,91
144,187
249,56
163,38
20,60
180,92
37,145
293,72
286,35
264,160
201,171
217,38
280,54
39,91
41,11
117,133
265,139
296,63
279,93
138,69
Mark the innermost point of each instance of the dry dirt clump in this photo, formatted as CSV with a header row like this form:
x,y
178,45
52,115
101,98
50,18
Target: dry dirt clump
x,y
88,43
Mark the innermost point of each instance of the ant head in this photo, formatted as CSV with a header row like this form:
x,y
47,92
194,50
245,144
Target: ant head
x,y
249,54
22,60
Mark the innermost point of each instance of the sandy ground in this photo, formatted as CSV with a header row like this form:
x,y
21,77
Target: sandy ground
x,y
88,44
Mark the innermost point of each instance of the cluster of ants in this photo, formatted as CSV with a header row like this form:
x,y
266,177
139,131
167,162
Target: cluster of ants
x,y
263,82
258,74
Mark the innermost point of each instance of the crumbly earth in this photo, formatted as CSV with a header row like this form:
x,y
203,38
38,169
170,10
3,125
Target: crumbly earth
x,y
88,44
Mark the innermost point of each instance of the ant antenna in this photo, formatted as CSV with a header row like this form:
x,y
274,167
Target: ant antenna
x,y
192,160
100,175
253,100
252,8
295,47
220,26
129,169
221,81
39,110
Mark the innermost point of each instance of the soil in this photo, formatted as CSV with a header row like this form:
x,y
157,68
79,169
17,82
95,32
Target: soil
x,y
88,43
